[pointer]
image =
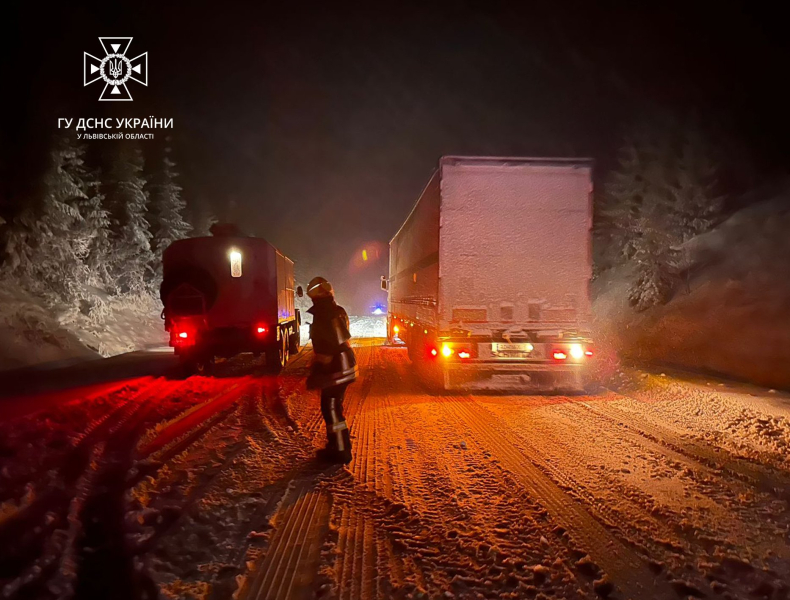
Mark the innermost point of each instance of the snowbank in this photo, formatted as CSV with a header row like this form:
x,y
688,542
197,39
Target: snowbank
x,y
122,324
734,317
31,333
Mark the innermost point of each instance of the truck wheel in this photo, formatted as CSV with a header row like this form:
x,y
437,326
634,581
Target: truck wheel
x,y
276,357
205,366
293,343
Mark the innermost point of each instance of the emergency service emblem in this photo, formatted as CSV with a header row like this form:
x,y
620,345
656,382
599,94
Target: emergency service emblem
x,y
115,69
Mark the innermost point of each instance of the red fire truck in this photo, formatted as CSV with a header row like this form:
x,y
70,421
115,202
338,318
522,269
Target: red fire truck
x,y
229,294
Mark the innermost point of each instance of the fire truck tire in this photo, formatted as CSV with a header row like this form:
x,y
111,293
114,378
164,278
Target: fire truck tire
x,y
293,343
276,357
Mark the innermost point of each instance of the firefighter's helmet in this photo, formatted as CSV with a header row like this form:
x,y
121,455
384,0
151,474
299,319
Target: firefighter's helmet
x,y
319,288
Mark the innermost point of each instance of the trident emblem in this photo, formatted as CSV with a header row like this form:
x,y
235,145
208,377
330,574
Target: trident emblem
x,y
115,68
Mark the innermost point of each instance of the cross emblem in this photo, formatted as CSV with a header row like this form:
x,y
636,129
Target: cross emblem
x,y
115,69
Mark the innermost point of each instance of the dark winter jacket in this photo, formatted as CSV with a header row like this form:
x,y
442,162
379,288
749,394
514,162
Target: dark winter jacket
x,y
335,362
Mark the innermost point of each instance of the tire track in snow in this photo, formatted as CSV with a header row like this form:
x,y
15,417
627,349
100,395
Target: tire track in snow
x,y
64,461
627,569
467,506
418,536
293,554
262,461
356,554
763,477
704,520
193,423
26,534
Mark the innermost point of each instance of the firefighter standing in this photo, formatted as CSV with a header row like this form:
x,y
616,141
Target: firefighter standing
x,y
333,368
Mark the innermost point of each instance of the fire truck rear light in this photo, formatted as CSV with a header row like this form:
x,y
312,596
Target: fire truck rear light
x,y
588,352
260,329
434,352
560,355
464,354
183,335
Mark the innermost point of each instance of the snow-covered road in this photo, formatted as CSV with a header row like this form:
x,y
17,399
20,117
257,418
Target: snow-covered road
x,y
658,487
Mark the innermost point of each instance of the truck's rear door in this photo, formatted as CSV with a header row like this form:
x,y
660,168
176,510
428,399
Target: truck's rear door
x,y
514,242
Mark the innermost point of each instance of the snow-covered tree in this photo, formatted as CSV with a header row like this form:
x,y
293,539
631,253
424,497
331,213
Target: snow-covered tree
x,y
92,235
167,208
128,204
42,245
662,194
201,218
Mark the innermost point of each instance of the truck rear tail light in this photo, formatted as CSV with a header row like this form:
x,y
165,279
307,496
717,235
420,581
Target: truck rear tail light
x,y
560,355
260,329
433,352
588,352
460,350
577,351
183,335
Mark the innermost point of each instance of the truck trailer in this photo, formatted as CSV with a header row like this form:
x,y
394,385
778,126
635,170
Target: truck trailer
x,y
489,275
229,294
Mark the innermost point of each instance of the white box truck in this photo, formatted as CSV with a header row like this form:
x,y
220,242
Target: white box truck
x,y
489,275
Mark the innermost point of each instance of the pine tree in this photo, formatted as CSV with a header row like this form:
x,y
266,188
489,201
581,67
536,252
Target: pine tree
x,y
661,195
43,247
167,209
128,203
93,236
202,218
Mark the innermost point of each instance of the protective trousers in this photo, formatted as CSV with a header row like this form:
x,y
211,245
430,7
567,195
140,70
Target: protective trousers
x,y
337,433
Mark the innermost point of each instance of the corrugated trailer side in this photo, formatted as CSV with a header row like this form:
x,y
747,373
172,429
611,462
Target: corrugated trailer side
x,y
414,259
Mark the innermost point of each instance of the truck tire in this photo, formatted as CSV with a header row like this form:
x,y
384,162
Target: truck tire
x,y
277,356
293,343
197,365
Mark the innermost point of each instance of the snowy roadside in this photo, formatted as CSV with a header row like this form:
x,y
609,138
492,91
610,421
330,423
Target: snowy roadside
x,y
729,318
30,334
33,334
365,326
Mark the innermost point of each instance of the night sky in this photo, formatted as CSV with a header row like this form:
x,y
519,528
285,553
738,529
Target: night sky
x,y
316,127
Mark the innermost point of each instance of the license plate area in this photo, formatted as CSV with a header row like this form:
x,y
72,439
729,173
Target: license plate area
x,y
501,350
